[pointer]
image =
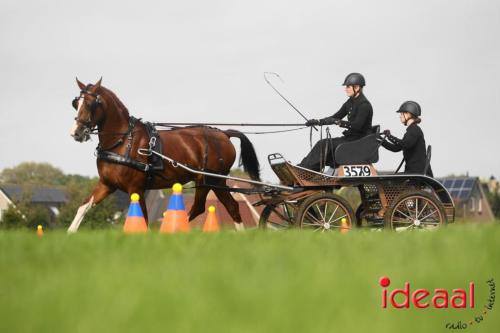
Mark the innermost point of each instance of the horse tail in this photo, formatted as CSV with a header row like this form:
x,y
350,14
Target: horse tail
x,y
248,157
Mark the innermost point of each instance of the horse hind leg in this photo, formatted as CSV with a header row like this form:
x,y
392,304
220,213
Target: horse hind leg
x,y
200,199
100,192
232,207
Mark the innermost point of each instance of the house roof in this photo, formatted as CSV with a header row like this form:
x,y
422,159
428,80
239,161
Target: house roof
x,y
460,188
39,194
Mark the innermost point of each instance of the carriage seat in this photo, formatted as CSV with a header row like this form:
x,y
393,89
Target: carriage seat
x,y
362,151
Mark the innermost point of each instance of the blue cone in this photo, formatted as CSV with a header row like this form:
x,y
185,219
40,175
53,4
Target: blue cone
x,y
135,210
176,202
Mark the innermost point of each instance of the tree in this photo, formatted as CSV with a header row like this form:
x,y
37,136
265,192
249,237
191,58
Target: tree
x,y
12,218
494,199
33,174
77,188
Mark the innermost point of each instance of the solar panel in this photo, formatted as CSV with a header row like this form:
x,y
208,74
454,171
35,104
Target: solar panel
x,y
447,183
464,195
458,183
459,188
469,183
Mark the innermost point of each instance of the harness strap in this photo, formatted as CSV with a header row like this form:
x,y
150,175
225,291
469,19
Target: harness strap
x,y
123,160
113,146
205,151
155,144
217,151
131,125
155,163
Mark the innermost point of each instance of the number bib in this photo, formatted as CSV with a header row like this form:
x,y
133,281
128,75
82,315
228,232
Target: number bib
x,y
357,170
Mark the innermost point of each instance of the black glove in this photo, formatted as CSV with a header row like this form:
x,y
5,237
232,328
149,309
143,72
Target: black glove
x,y
328,121
387,132
312,122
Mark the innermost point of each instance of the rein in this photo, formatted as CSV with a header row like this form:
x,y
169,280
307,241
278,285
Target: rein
x,y
176,125
226,124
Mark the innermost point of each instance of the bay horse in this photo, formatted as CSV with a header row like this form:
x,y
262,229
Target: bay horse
x,y
121,135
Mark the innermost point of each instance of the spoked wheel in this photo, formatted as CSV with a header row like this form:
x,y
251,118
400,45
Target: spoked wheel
x,y
277,217
415,210
325,212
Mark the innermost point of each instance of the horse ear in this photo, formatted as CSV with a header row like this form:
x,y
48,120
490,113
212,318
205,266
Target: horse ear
x,y
80,84
98,84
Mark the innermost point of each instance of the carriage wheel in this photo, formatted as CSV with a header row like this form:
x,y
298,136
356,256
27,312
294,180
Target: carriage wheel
x,y
415,210
277,217
325,212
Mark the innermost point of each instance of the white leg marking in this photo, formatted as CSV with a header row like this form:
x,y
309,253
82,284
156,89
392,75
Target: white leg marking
x,y
239,226
79,216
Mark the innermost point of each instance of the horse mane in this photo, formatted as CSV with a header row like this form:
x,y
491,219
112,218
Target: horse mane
x,y
119,105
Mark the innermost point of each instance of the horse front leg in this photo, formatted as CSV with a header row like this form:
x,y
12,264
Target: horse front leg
x,y
100,192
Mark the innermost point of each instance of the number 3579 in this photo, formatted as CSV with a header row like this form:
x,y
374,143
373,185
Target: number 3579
x,y
357,171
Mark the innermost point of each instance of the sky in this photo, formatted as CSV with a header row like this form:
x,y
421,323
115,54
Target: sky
x,y
203,61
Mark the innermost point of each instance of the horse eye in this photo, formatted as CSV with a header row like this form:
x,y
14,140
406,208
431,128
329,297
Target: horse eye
x,y
75,103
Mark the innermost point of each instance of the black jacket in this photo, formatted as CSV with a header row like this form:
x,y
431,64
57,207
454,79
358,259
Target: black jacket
x,y
413,147
359,114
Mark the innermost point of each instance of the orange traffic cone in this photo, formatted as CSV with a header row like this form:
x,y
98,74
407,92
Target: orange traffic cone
x,y
175,218
39,231
344,227
135,222
211,223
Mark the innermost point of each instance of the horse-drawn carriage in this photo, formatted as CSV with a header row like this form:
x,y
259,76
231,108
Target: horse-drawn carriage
x,y
129,150
394,201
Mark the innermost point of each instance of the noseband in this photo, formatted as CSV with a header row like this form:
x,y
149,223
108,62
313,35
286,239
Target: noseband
x,y
93,107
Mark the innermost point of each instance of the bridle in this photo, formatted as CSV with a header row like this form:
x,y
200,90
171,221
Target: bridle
x,y
87,124
89,129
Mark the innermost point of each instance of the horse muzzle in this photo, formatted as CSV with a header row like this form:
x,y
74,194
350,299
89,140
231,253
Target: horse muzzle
x,y
81,134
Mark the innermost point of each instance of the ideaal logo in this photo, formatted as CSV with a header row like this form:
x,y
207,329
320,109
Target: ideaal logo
x,y
460,298
439,299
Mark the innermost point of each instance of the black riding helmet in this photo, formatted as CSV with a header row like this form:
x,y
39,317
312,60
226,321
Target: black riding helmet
x,y
354,79
410,107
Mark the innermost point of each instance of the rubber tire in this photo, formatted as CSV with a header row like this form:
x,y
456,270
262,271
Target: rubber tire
x,y
305,205
403,196
264,216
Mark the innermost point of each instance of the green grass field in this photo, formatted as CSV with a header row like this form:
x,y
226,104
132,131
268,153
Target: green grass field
x,y
104,281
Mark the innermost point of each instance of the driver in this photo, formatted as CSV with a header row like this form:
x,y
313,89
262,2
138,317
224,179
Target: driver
x,y
413,142
359,114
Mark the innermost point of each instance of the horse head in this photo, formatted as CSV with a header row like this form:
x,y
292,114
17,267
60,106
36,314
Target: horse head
x,y
89,106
